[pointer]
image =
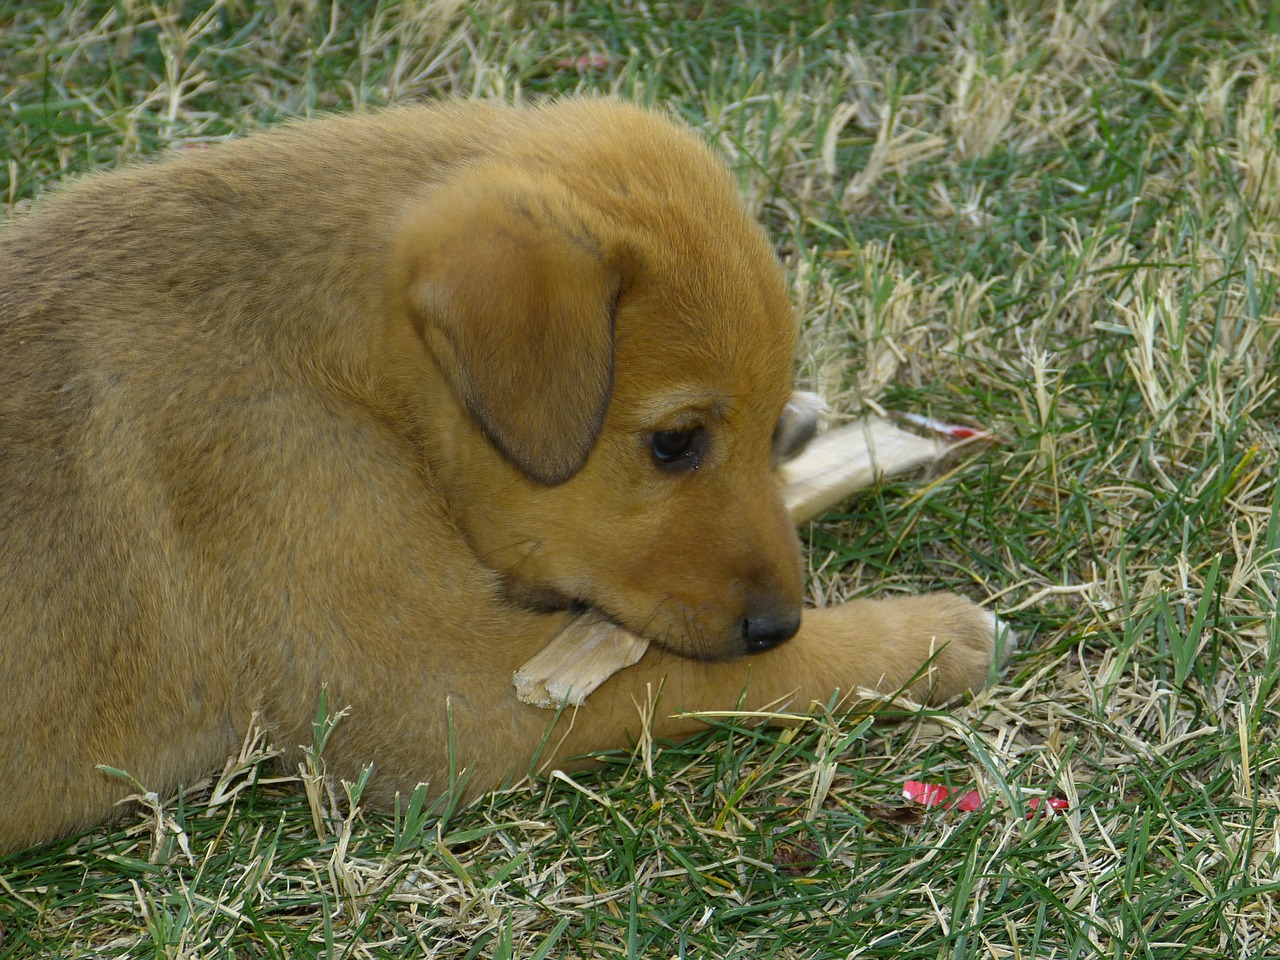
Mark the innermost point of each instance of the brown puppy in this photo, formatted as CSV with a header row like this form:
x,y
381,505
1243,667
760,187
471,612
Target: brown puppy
x,y
371,402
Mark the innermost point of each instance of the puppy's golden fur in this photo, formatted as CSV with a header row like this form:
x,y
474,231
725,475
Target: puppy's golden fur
x,y
370,402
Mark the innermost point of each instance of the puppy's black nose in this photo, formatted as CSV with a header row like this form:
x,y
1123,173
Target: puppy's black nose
x,y
764,631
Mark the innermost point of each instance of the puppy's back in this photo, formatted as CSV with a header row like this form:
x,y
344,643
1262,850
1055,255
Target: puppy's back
x,y
189,384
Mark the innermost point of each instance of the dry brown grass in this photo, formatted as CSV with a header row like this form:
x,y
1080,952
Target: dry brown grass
x,y
1058,220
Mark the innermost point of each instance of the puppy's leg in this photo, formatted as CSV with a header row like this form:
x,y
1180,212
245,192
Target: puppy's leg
x,y
461,713
935,647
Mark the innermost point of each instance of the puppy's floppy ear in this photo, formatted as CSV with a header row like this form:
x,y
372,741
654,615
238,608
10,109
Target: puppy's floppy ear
x,y
513,285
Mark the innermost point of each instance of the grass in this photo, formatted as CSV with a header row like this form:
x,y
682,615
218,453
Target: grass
x,y
1058,221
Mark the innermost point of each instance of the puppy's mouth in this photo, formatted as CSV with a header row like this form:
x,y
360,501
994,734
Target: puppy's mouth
x,y
539,597
543,598
758,632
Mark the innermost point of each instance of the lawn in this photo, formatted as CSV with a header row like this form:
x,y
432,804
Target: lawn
x,y
1057,221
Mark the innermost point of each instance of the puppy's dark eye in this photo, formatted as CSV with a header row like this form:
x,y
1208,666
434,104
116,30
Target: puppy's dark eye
x,y
678,449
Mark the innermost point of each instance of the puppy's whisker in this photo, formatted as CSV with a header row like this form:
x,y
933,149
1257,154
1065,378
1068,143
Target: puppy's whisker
x,y
488,561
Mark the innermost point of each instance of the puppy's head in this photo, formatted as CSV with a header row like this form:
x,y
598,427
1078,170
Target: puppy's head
x,y
608,349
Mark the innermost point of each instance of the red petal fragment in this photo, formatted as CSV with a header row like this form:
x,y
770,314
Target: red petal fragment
x,y
969,802
1046,807
927,794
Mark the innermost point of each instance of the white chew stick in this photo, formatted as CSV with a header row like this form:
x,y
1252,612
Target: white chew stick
x,y
840,462
581,657
835,465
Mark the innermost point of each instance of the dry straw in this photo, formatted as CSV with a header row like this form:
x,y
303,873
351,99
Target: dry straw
x,y
1061,221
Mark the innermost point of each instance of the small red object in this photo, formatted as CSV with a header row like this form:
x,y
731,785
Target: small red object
x,y
969,802
936,795
925,794
1048,807
952,431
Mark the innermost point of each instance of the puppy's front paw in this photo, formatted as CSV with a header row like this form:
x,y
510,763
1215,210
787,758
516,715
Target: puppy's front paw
x,y
963,647
934,647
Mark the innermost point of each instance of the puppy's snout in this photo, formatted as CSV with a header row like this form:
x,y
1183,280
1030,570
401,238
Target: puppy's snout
x,y
762,631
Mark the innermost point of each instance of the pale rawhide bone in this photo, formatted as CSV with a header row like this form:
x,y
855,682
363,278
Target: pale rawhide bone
x,y
833,466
